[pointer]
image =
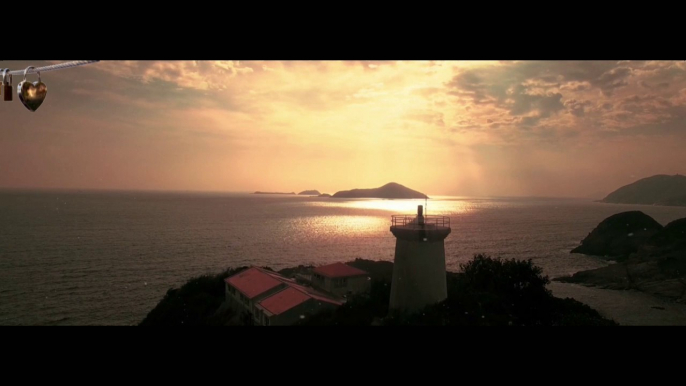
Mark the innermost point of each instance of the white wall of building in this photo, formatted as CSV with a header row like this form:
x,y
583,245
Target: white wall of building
x,y
342,286
419,277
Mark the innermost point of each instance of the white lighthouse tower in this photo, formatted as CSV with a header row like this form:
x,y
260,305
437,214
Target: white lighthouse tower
x,y
419,265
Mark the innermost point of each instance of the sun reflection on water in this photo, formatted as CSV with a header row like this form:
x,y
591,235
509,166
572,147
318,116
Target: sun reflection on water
x,y
372,217
442,206
352,224
339,225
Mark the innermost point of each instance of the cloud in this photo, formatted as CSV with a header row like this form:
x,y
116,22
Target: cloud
x,y
201,75
612,79
603,96
426,116
230,124
577,108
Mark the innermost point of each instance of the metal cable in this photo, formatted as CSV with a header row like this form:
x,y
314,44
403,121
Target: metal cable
x,y
52,67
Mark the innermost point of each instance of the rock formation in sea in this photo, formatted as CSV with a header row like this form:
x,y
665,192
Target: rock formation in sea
x,y
654,262
619,235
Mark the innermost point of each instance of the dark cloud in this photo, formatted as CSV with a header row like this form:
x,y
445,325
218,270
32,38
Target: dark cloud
x,y
507,91
493,82
649,104
577,108
470,84
653,86
530,121
607,92
525,103
612,79
576,86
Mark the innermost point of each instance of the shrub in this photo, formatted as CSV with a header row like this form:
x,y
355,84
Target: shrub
x,y
194,304
508,278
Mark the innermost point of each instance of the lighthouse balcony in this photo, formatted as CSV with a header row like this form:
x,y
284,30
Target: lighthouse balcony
x,y
420,222
420,228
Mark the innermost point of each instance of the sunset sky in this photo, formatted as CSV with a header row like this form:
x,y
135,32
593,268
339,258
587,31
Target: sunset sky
x,y
569,129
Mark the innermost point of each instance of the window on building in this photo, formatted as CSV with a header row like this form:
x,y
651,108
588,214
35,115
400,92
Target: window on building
x,y
342,282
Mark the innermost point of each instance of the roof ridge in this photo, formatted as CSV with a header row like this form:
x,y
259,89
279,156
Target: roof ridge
x,y
333,270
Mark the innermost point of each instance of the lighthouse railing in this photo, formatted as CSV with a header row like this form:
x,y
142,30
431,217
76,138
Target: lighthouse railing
x,y
411,221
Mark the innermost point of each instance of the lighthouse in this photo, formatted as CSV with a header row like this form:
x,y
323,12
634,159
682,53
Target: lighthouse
x,y
419,265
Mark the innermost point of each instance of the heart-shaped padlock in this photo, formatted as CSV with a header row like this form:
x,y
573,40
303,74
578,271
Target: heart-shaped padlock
x,y
33,94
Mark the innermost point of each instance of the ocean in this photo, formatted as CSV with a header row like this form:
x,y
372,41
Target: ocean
x,y
107,258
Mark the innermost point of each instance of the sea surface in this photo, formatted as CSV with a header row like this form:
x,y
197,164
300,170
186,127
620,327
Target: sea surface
x,y
107,258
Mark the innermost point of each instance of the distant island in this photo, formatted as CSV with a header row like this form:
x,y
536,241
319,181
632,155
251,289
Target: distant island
x,y
273,193
660,189
324,195
390,190
309,193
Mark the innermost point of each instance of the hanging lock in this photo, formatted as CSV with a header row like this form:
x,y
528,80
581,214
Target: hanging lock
x,y
7,84
30,94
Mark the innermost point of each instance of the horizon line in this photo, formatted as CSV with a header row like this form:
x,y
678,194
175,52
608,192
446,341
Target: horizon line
x,y
138,190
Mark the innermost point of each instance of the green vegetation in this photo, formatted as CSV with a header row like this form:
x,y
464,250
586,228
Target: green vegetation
x,y
656,190
491,291
196,303
650,258
619,235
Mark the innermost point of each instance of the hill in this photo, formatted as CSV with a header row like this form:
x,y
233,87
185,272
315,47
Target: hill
x,y
258,192
656,190
309,193
619,235
651,258
390,190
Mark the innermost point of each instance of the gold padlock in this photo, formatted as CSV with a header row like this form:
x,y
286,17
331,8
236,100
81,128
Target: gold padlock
x,y
30,94
7,84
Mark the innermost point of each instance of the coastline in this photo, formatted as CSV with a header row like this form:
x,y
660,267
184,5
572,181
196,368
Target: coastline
x,y
626,307
628,203
645,284
201,300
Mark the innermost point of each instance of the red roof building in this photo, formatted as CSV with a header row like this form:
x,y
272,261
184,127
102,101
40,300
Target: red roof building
x,y
341,279
283,301
339,270
272,299
253,282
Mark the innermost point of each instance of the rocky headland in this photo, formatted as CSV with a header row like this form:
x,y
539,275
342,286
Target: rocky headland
x,y
649,257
